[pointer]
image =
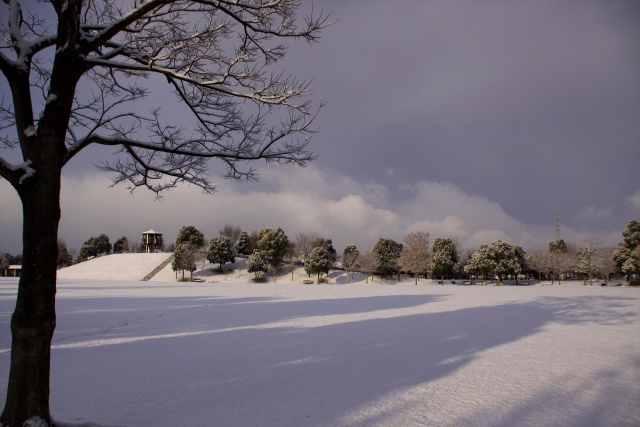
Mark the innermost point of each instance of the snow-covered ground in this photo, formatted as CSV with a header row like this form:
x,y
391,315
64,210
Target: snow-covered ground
x,y
115,267
225,352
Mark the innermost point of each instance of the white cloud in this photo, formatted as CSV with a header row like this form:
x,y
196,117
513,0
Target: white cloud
x,y
307,200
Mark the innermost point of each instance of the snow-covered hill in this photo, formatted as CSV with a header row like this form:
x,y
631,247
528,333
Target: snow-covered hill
x,y
114,267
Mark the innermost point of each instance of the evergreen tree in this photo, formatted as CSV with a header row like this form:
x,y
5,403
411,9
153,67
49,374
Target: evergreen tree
x,y
444,257
387,251
4,263
627,254
64,257
242,248
480,264
318,261
558,246
328,245
121,245
273,243
506,259
521,260
220,251
257,263
190,234
95,246
184,258
499,259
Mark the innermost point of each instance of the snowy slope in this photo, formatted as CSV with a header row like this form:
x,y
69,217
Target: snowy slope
x,y
114,267
161,353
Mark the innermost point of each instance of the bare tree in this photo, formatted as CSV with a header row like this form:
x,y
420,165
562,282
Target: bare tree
x,y
214,56
291,258
305,242
230,232
350,260
563,259
588,259
368,262
606,263
540,260
415,256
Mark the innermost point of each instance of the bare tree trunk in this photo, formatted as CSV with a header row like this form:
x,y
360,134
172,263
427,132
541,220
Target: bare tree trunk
x,y
34,318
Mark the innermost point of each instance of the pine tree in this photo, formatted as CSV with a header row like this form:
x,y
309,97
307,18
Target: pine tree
x,y
220,251
178,259
627,254
121,245
505,258
444,257
257,263
387,251
190,234
273,243
64,257
242,248
480,264
95,246
499,259
184,258
318,261
328,245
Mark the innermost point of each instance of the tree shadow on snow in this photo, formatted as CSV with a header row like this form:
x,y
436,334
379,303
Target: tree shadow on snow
x,y
234,363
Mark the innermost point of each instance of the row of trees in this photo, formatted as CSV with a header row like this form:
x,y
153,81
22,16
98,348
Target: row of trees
x,y
271,248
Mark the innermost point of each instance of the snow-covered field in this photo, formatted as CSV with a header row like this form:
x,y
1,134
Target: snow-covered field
x,y
225,352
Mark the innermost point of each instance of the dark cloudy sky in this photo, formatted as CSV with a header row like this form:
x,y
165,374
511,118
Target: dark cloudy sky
x,y
478,120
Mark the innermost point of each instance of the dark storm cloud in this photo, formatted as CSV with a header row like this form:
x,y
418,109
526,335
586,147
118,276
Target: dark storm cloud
x,y
535,104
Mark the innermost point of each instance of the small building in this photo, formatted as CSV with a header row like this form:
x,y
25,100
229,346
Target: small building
x,y
152,241
13,271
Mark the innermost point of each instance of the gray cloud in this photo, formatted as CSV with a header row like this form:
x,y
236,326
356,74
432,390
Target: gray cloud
x,y
532,103
308,200
474,119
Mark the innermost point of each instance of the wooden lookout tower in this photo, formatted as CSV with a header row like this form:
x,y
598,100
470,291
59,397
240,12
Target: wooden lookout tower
x,y
152,241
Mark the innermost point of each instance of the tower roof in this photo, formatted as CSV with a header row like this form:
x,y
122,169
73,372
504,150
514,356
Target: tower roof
x,y
151,232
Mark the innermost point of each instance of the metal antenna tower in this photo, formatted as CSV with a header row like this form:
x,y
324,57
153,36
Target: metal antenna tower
x,y
557,227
